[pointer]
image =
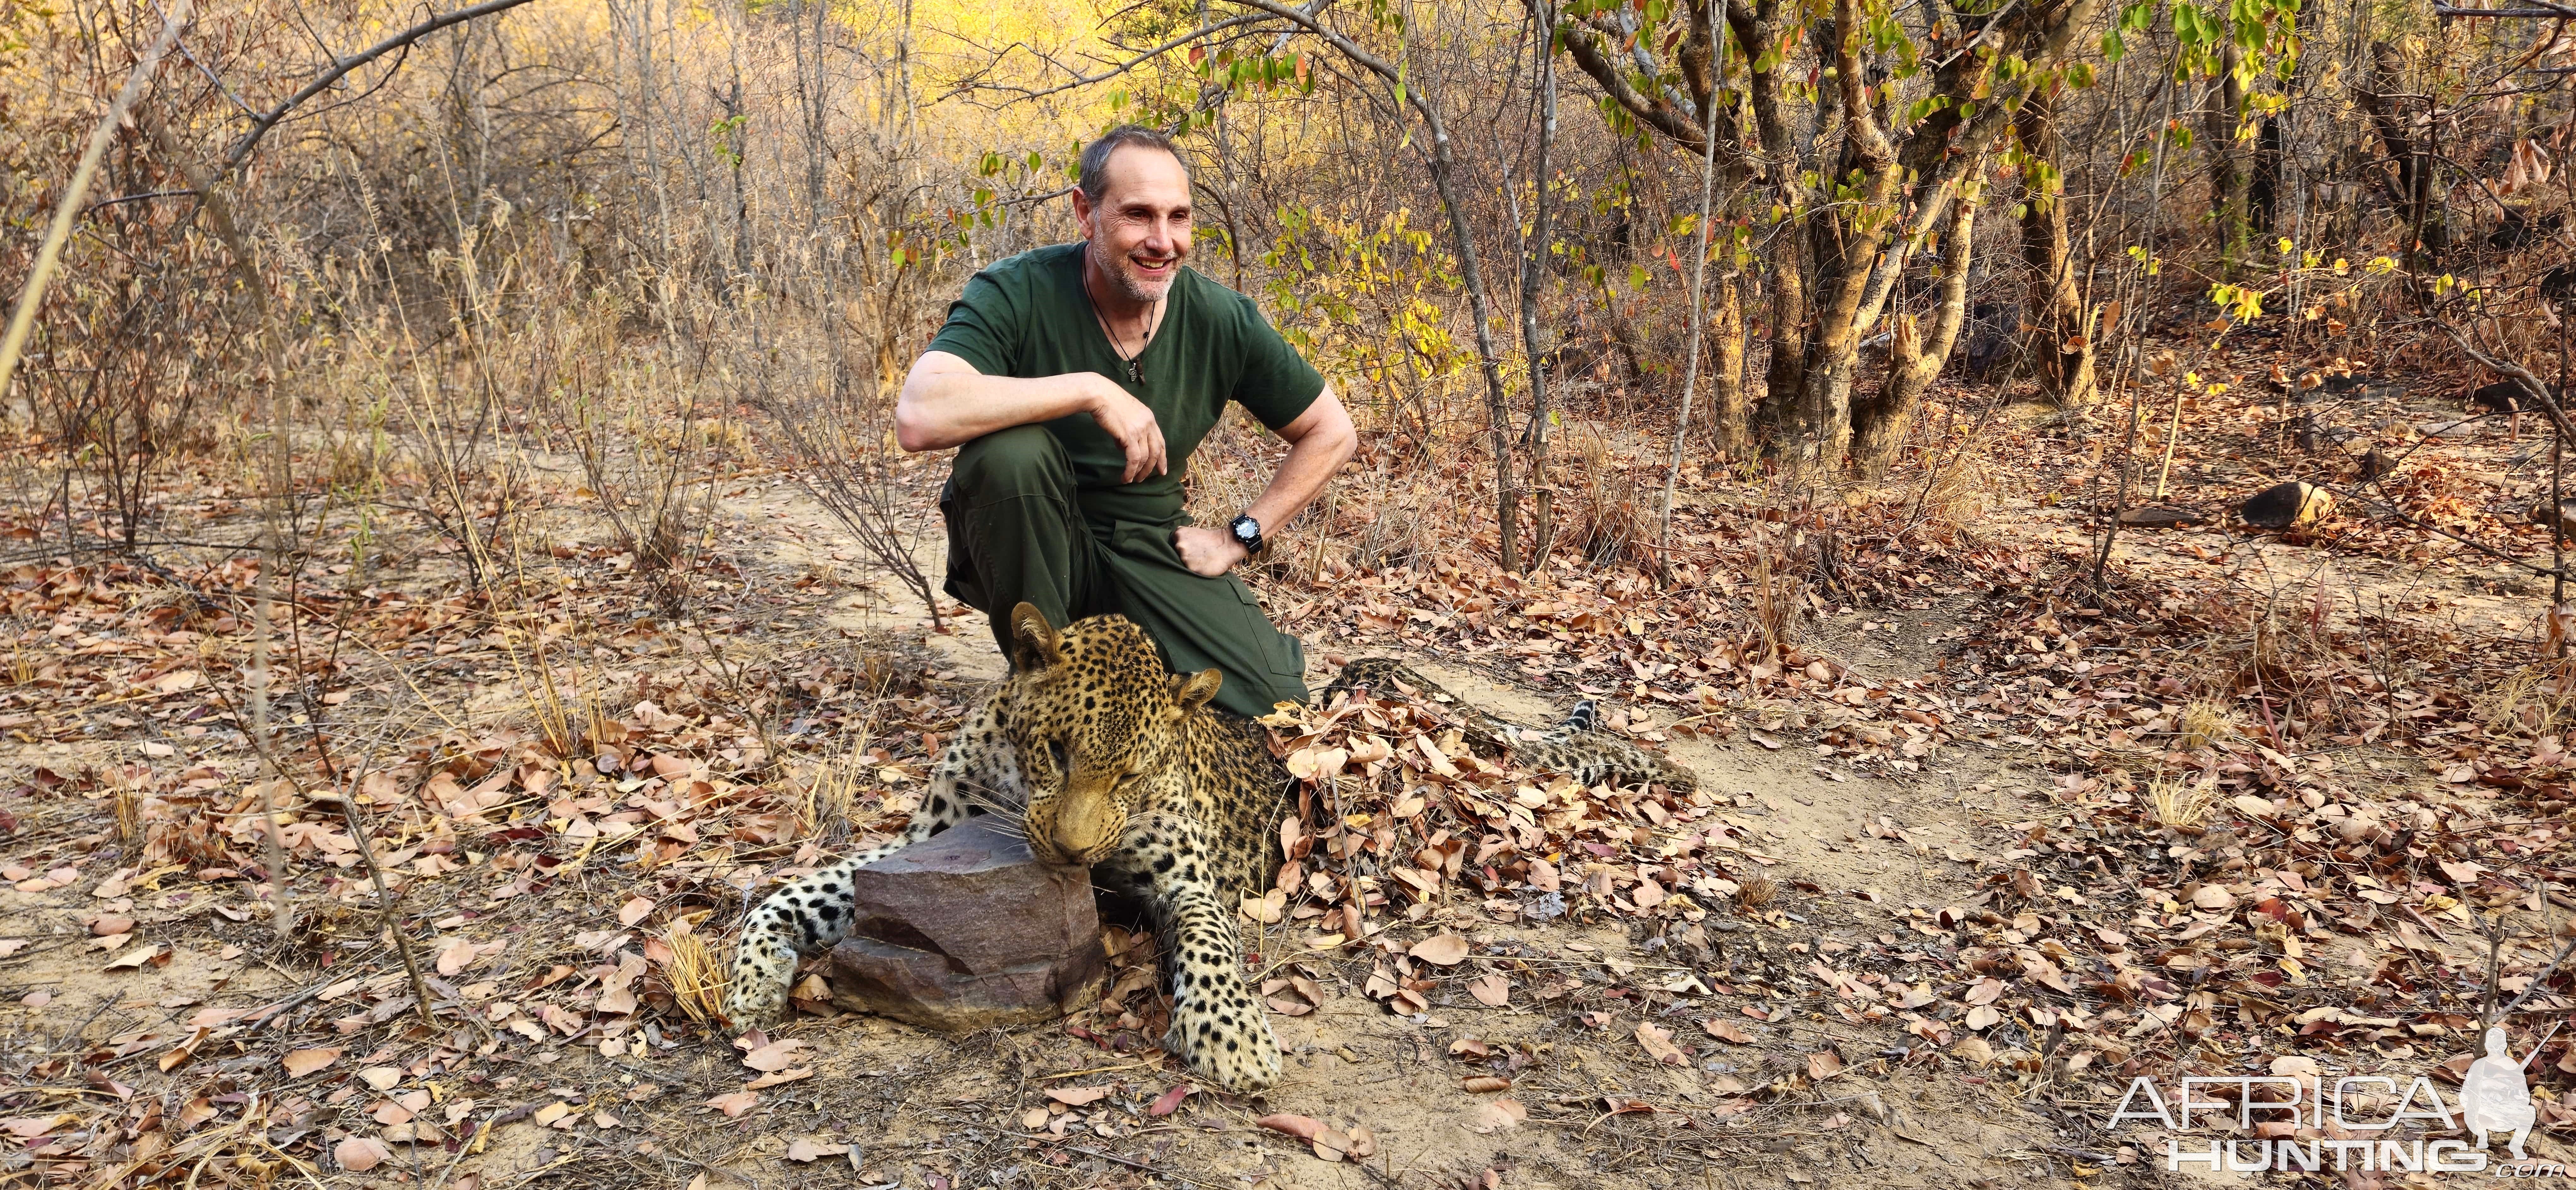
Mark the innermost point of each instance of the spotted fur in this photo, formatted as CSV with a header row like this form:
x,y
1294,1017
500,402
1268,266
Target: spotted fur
x,y
1575,746
1113,762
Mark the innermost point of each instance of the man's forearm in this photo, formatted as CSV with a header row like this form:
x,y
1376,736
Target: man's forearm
x,y
1311,462
940,409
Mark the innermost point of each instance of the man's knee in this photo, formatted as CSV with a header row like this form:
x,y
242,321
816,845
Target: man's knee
x,y
1019,461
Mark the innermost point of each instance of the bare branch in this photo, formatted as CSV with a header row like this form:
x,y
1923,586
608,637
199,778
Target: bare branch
x,y
50,253
261,125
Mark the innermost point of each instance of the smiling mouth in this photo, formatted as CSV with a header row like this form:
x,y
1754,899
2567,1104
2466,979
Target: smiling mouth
x,y
1152,265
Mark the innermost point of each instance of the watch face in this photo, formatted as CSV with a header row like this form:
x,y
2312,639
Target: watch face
x,y
1245,530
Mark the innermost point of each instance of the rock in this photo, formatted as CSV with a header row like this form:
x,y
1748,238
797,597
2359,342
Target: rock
x,y
2519,230
2465,427
966,930
2157,518
2558,284
2566,515
2287,506
2503,396
2373,464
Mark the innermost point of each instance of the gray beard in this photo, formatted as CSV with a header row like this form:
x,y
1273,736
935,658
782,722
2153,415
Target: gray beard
x,y
1128,287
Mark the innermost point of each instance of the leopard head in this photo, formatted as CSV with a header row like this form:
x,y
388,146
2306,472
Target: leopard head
x,y
1095,715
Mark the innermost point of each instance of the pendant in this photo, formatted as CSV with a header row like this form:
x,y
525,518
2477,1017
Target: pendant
x,y
1135,372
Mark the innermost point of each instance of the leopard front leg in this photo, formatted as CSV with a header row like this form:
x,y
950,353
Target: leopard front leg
x,y
1218,1025
814,911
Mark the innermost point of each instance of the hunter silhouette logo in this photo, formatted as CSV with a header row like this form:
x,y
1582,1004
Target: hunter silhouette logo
x,y
2494,1097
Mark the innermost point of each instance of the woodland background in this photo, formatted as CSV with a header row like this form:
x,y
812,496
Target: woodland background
x,y
455,553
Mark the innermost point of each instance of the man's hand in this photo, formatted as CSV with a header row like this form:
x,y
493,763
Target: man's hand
x,y
1208,552
1133,425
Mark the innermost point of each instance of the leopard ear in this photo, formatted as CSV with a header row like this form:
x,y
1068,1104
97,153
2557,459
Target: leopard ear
x,y
1034,643
1192,691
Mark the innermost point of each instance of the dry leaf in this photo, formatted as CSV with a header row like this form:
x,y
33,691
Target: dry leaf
x,y
1444,950
634,910
1824,1064
803,1150
1491,989
777,1055
1480,1084
1302,1127
1077,1096
358,1154
1726,1032
799,1074
735,1104
1659,1044
303,1062
1494,1115
134,956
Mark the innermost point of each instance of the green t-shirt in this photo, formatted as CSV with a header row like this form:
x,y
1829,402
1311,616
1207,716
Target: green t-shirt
x,y
1026,317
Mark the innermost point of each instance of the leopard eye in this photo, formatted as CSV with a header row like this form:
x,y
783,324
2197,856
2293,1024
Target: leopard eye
x,y
1063,760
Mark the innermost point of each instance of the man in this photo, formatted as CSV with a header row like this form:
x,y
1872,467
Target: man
x,y
1077,379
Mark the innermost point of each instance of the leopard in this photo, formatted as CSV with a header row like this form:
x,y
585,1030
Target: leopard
x,y
1116,763
1576,746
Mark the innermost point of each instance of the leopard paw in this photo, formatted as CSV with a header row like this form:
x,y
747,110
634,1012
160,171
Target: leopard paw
x,y
1226,1041
763,969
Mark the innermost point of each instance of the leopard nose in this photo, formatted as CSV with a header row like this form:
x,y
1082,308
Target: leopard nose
x,y
1084,828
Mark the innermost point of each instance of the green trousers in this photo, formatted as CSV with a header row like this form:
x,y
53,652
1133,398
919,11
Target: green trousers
x,y
1018,530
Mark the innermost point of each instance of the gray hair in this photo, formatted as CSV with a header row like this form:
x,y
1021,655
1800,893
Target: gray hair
x,y
1095,156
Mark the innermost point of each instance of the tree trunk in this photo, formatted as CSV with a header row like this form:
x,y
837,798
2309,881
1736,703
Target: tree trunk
x,y
1777,414
2413,193
2060,344
1731,411
2230,179
1534,256
1480,308
1916,355
1860,224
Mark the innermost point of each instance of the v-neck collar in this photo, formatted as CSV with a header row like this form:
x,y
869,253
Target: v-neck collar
x,y
1099,322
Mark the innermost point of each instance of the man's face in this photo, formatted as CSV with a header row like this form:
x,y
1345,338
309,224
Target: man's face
x,y
1140,232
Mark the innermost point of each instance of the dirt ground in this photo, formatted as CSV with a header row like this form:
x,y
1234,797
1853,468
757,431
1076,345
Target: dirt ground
x,y
1779,1064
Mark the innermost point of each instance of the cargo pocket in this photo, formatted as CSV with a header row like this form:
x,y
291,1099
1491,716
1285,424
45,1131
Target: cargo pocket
x,y
1284,654
963,584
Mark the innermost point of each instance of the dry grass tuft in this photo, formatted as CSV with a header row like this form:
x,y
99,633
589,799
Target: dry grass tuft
x,y
2206,724
129,816
2531,700
829,793
1777,595
1960,494
696,978
2180,803
1611,519
1754,892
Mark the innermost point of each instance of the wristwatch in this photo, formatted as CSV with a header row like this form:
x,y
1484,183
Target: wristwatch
x,y
1247,533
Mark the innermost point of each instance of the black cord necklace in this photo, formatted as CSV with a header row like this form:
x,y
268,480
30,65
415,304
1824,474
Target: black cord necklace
x,y
1136,362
